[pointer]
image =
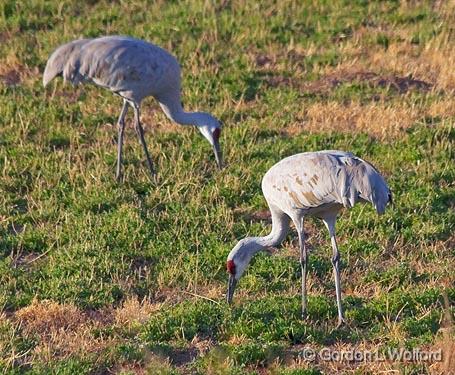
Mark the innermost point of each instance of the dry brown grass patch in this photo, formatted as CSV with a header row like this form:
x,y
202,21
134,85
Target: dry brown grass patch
x,y
444,108
45,317
62,329
432,62
134,311
381,120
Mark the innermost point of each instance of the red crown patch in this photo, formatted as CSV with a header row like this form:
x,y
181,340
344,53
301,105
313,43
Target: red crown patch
x,y
230,266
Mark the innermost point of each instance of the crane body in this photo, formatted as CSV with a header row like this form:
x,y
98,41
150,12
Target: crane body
x,y
133,69
316,184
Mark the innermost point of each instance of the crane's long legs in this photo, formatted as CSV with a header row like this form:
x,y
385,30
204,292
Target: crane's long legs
x,y
303,265
121,129
330,223
140,133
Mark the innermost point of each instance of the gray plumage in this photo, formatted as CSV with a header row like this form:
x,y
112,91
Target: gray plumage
x,y
318,184
132,69
58,61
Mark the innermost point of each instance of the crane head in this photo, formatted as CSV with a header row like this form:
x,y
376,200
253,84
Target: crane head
x,y
237,261
211,130
230,266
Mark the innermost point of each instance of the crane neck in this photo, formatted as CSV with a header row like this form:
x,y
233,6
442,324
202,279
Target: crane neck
x,y
174,112
280,228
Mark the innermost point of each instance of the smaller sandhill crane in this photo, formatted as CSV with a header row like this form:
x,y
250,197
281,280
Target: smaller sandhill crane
x,y
132,69
317,184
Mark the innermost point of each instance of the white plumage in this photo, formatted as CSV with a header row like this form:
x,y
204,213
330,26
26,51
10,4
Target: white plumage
x,y
133,69
318,184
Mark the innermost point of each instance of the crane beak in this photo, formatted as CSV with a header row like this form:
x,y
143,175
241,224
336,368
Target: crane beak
x,y
217,152
231,287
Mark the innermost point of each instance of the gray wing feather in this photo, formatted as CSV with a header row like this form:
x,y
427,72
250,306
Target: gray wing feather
x,y
314,179
359,180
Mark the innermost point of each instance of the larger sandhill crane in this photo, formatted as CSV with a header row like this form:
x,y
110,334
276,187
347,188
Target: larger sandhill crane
x,y
133,69
318,184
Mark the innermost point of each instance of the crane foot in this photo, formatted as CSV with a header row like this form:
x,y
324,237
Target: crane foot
x,y
341,322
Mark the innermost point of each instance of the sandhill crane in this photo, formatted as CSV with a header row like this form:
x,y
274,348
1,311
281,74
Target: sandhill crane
x,y
318,184
132,69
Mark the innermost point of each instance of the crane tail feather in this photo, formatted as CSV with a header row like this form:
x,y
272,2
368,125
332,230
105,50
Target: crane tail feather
x,y
50,73
58,60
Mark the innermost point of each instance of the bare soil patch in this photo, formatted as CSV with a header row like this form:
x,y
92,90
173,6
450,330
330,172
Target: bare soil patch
x,y
263,60
331,81
11,77
13,73
261,215
278,81
399,84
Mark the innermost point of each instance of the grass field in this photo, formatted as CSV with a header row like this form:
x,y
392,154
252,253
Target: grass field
x,y
99,277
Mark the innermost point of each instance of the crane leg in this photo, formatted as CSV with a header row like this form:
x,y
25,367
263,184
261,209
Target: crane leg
x,y
140,133
121,129
303,266
330,223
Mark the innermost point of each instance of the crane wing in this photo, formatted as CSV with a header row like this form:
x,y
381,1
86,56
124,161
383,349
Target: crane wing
x,y
124,64
309,180
315,179
131,67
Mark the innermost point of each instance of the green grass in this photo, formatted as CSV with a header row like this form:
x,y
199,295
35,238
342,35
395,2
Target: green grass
x,y
71,235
